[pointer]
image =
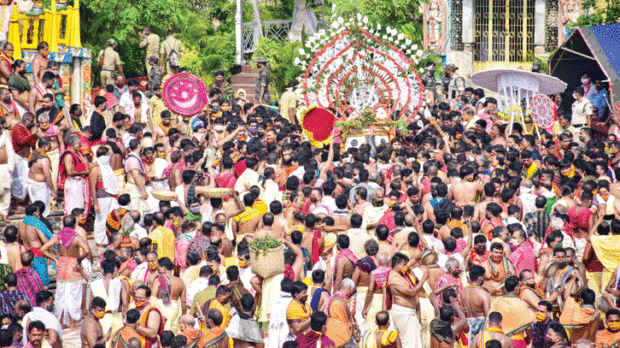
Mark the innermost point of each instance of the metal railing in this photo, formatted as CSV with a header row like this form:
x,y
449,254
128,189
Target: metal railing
x,y
59,25
276,30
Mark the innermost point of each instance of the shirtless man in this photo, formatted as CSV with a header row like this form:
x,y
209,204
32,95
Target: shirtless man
x,y
341,216
92,333
383,324
466,191
530,292
495,321
490,195
160,133
268,229
453,315
220,135
344,264
497,267
171,290
361,277
35,96
71,246
497,136
153,271
149,315
280,223
9,110
39,63
246,222
40,183
477,300
13,248
47,129
405,302
6,60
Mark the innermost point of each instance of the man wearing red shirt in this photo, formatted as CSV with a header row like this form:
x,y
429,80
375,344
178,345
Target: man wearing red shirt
x,y
24,141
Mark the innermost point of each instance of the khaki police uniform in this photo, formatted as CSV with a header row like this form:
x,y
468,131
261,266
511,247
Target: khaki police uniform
x,y
167,46
111,60
151,42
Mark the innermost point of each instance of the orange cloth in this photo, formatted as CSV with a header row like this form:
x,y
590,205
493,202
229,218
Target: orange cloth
x,y
513,325
122,336
214,303
338,323
144,318
213,334
194,334
606,336
575,315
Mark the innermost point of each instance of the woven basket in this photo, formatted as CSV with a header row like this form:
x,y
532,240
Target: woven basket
x,y
164,195
218,192
267,263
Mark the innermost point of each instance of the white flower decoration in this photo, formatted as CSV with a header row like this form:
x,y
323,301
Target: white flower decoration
x,y
297,61
415,47
378,26
401,36
341,20
365,20
302,51
419,53
359,16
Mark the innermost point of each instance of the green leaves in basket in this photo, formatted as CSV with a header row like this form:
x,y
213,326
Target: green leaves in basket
x,y
264,243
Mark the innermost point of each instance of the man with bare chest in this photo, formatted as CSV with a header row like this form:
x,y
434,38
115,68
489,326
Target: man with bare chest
x,y
280,224
466,191
268,229
170,290
477,300
361,277
246,222
92,333
40,183
41,89
39,63
153,271
9,110
71,246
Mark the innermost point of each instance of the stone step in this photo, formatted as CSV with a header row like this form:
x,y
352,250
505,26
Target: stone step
x,y
243,79
248,69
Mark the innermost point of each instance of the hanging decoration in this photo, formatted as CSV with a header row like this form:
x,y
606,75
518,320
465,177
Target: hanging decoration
x,y
355,69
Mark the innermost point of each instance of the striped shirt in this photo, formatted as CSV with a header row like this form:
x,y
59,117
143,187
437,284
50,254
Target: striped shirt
x,y
29,283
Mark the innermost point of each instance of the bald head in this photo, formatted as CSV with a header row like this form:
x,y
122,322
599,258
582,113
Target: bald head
x,y
135,285
188,319
526,183
134,343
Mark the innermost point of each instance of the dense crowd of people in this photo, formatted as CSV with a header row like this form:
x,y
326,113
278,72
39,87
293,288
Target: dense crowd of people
x,y
454,233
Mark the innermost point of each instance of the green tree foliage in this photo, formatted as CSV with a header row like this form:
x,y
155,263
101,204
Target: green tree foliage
x,y
599,12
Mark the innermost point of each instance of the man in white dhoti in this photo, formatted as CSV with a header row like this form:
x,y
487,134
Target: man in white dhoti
x,y
7,165
71,246
40,183
109,288
103,188
75,169
400,283
278,326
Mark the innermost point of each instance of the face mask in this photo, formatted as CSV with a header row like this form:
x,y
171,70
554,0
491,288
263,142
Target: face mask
x,y
127,126
99,315
137,260
217,243
218,128
121,258
195,210
585,81
540,317
314,199
225,108
514,242
176,223
6,100
154,267
605,196
496,258
253,130
139,303
559,245
378,204
243,264
405,269
613,326
51,308
45,127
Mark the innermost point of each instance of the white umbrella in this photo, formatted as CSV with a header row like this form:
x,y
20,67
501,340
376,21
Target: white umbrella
x,y
512,85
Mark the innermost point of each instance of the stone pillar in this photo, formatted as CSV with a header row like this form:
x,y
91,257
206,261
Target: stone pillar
x,y
468,33
239,33
540,18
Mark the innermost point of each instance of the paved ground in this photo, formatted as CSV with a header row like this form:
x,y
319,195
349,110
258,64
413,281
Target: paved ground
x,y
71,339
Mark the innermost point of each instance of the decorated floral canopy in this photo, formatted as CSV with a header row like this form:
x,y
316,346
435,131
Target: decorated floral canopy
x,y
352,67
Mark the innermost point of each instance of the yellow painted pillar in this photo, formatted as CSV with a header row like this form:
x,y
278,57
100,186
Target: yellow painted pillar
x,y
77,38
47,34
14,35
490,56
53,43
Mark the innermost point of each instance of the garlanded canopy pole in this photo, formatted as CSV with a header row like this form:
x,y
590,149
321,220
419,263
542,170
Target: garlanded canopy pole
x,y
361,71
